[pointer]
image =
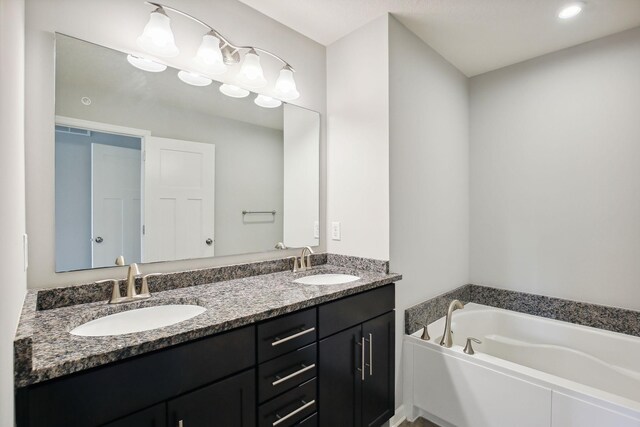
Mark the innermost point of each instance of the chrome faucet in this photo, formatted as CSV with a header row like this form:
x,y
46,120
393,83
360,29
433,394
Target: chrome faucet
x,y
447,337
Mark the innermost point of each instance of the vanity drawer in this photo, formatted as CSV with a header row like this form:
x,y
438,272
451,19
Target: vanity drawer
x,y
287,371
344,313
286,333
290,408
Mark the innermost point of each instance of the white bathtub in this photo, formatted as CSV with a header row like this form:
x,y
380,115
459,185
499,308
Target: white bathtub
x,y
528,371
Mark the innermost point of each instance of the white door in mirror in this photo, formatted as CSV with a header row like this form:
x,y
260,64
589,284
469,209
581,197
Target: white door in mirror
x,y
139,320
326,279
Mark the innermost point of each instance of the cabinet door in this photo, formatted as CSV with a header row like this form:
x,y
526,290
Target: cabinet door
x,y
156,416
228,403
340,380
378,392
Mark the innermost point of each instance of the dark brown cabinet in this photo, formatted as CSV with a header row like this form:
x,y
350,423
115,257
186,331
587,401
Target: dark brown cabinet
x,y
357,372
229,403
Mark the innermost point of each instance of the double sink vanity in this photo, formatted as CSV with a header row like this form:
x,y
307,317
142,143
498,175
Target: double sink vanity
x,y
250,345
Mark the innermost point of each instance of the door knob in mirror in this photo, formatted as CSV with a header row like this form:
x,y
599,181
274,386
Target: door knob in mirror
x,y
209,241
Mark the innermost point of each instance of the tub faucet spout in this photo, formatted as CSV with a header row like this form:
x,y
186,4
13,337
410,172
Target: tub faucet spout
x,y
447,337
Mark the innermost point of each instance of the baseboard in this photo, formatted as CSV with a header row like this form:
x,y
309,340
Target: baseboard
x,y
398,417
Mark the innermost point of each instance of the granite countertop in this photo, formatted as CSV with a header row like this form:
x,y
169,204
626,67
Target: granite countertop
x,y
44,348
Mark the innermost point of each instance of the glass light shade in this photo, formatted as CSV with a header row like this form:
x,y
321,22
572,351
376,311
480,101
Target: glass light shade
x,y
267,101
286,85
157,37
146,64
193,79
251,74
209,56
233,91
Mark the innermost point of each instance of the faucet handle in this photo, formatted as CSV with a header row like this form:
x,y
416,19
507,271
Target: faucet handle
x,y
469,348
144,290
115,290
295,263
425,333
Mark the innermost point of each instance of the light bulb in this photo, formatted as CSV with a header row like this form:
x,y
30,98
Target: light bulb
x,y
286,85
267,101
146,64
209,56
570,10
193,79
157,37
233,91
251,74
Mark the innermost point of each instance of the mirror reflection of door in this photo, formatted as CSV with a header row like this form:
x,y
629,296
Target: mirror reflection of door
x,y
98,195
116,228
179,199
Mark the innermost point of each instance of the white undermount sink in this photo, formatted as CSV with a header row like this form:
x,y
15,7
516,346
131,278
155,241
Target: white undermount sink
x,y
138,320
326,279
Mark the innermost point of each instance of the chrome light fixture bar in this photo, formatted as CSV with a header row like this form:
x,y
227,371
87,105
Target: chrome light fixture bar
x,y
216,52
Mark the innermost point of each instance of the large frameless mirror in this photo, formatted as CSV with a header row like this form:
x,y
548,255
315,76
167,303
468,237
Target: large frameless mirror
x,y
156,168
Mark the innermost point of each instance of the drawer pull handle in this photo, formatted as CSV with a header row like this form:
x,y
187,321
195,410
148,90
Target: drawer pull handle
x,y
279,341
370,354
295,374
291,414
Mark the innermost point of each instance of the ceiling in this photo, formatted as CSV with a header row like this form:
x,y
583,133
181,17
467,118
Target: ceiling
x,y
476,36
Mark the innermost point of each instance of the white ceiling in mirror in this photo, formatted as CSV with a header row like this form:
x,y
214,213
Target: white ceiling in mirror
x,y
102,70
475,36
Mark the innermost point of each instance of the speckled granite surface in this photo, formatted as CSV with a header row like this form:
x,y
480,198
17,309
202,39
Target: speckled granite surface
x,y
597,316
45,349
94,292
359,263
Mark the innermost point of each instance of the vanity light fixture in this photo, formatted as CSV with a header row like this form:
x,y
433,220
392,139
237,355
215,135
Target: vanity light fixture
x,y
157,37
216,53
193,79
571,10
146,64
233,91
267,101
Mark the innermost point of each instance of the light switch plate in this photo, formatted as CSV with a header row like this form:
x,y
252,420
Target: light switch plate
x,y
316,229
335,230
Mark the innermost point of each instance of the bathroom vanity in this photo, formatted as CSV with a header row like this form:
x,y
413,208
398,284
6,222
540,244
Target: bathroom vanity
x,y
322,355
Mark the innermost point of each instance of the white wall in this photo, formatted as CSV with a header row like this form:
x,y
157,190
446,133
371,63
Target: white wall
x,y
116,24
12,212
555,174
429,178
358,141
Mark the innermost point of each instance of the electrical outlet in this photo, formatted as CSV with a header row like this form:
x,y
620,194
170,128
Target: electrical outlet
x,y
316,229
335,230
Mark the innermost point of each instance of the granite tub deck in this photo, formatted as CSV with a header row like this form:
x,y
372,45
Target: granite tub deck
x,y
44,348
597,316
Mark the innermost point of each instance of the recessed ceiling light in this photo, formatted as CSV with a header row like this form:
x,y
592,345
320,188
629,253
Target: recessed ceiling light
x,y
193,79
233,91
570,10
146,64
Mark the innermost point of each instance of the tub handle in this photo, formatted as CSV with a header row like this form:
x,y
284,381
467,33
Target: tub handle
x,y
469,348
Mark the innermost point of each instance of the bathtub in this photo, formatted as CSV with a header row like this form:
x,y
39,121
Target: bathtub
x,y
528,371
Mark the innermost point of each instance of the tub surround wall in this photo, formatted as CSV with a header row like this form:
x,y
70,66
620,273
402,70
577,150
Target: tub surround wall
x,y
244,295
598,316
554,174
